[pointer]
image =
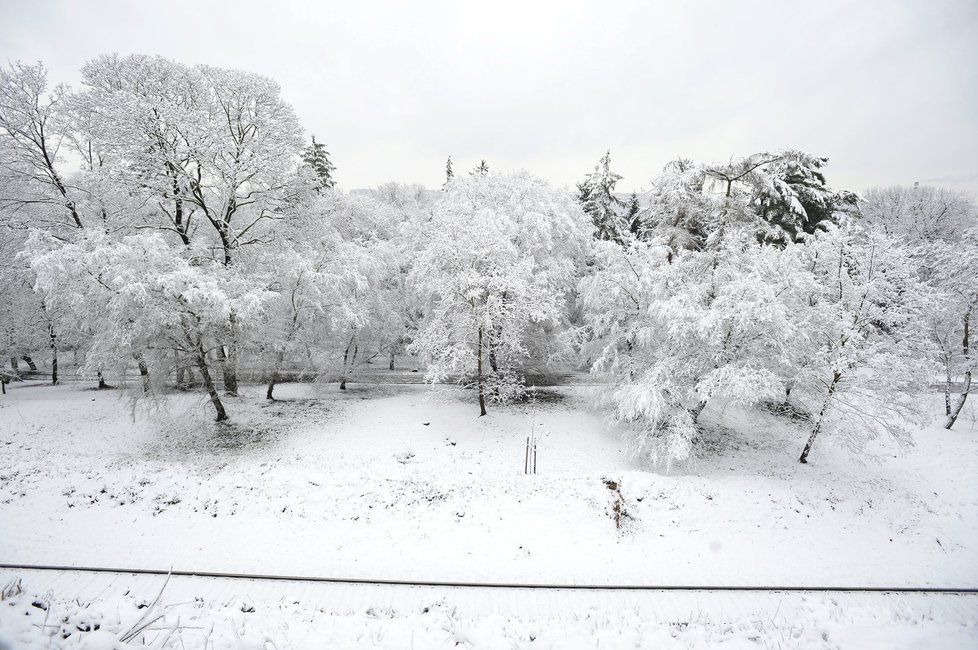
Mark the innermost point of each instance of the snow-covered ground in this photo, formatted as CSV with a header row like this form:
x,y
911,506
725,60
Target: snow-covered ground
x,y
385,482
194,612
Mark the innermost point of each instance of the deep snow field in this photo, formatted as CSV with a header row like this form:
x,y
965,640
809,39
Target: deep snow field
x,y
397,482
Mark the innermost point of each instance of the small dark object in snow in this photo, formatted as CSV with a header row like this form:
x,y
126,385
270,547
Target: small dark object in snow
x,y
40,604
247,609
425,424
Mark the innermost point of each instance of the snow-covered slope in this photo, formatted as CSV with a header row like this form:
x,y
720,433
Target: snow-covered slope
x,y
384,482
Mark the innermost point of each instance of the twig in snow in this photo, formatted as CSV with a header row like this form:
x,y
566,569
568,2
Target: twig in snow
x,y
143,621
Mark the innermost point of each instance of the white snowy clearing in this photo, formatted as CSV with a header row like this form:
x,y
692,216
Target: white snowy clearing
x,y
386,482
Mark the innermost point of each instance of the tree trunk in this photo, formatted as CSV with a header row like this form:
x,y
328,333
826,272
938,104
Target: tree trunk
x,y
696,410
482,377
30,362
54,354
274,380
818,422
3,386
953,414
348,361
143,372
181,372
201,360
392,361
228,370
14,365
947,390
101,382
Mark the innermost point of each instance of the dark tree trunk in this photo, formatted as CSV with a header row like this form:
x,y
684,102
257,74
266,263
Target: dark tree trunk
x,y
482,377
201,360
53,339
143,371
821,414
181,377
228,370
101,382
30,362
392,361
349,358
274,380
948,380
14,365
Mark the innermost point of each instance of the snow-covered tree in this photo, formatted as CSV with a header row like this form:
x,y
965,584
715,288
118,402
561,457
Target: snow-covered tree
x,y
869,358
495,260
215,151
940,227
317,158
668,332
137,299
33,130
596,194
782,195
919,213
680,211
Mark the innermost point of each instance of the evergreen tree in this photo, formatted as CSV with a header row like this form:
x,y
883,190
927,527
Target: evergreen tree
x,y
449,174
481,168
632,219
316,156
597,196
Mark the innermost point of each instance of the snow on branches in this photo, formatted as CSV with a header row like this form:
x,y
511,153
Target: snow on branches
x,y
495,263
834,323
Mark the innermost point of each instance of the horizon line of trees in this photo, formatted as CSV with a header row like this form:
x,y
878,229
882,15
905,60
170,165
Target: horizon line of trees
x,y
201,234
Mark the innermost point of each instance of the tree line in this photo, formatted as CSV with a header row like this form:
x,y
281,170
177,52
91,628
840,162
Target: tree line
x,y
170,222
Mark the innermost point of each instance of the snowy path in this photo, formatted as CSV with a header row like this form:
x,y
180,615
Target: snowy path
x,y
664,605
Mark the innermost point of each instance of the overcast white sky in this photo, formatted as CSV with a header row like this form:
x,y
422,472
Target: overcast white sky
x,y
888,89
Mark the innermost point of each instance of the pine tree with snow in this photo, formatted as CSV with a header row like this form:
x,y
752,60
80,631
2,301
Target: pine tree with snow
x,y
596,194
633,217
481,168
317,158
449,174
